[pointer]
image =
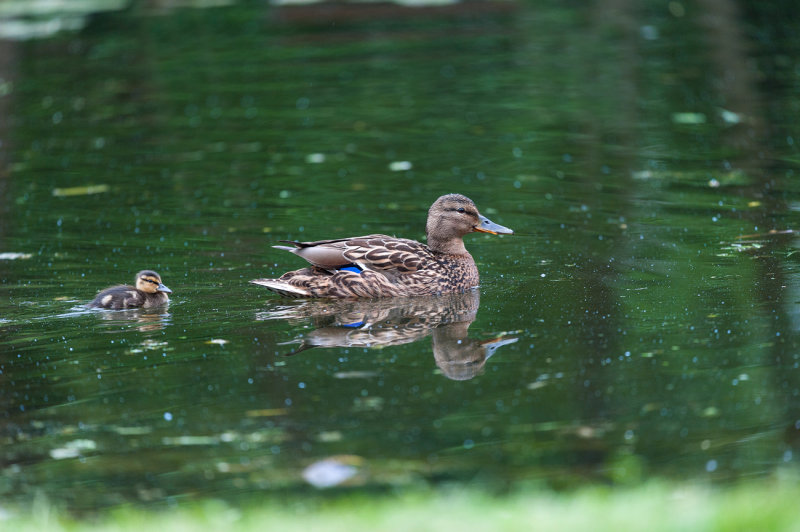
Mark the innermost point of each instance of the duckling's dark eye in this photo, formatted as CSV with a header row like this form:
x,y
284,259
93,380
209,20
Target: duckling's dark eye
x,y
461,210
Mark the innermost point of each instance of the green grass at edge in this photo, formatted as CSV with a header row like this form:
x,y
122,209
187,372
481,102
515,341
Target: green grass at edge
x,y
762,505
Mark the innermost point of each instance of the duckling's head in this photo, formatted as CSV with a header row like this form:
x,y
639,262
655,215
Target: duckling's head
x,y
450,218
150,282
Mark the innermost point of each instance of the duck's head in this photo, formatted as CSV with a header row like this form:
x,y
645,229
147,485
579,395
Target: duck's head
x,y
150,282
451,217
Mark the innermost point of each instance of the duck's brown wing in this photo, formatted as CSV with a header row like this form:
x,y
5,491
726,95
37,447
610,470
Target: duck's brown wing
x,y
333,241
370,252
382,253
327,254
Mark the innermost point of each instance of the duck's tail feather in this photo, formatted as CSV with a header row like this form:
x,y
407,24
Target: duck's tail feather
x,y
282,288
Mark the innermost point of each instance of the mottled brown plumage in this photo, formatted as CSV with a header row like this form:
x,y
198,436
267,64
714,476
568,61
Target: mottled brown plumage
x,y
386,266
148,292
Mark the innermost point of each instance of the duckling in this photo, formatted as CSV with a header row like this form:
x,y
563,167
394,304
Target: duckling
x,y
148,292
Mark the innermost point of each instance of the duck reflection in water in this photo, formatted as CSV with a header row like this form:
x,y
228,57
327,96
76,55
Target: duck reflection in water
x,y
396,321
144,320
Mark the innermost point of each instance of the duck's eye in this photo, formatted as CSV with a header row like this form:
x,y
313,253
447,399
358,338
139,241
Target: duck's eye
x,y
461,210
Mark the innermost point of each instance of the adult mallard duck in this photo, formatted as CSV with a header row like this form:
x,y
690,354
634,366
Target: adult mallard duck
x,y
385,266
148,292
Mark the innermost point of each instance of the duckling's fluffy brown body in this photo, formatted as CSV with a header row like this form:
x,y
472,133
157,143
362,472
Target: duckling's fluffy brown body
x,y
148,292
386,266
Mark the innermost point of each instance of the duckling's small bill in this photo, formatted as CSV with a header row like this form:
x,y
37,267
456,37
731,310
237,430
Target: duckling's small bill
x,y
162,288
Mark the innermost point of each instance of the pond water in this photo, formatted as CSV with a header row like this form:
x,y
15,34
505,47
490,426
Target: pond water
x,y
642,323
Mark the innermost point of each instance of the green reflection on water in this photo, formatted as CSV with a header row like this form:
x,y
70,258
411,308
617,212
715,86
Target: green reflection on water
x,y
654,313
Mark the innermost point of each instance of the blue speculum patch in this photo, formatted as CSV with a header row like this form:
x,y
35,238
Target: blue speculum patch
x,y
352,268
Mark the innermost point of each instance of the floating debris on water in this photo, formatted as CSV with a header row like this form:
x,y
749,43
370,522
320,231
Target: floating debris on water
x,y
689,118
191,440
329,436
72,449
400,166
266,412
217,341
132,431
80,191
730,117
332,471
355,374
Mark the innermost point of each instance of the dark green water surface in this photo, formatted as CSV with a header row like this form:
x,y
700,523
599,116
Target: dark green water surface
x,y
642,324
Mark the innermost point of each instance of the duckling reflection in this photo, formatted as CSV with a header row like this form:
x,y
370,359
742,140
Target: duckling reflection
x,y
387,322
142,320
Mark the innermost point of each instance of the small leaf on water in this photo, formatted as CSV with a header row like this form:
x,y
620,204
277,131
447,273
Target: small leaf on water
x,y
266,412
190,440
80,191
132,431
730,117
217,341
355,374
400,166
330,436
72,449
689,118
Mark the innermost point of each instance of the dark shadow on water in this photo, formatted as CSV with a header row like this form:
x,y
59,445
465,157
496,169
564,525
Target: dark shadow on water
x,y
396,321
